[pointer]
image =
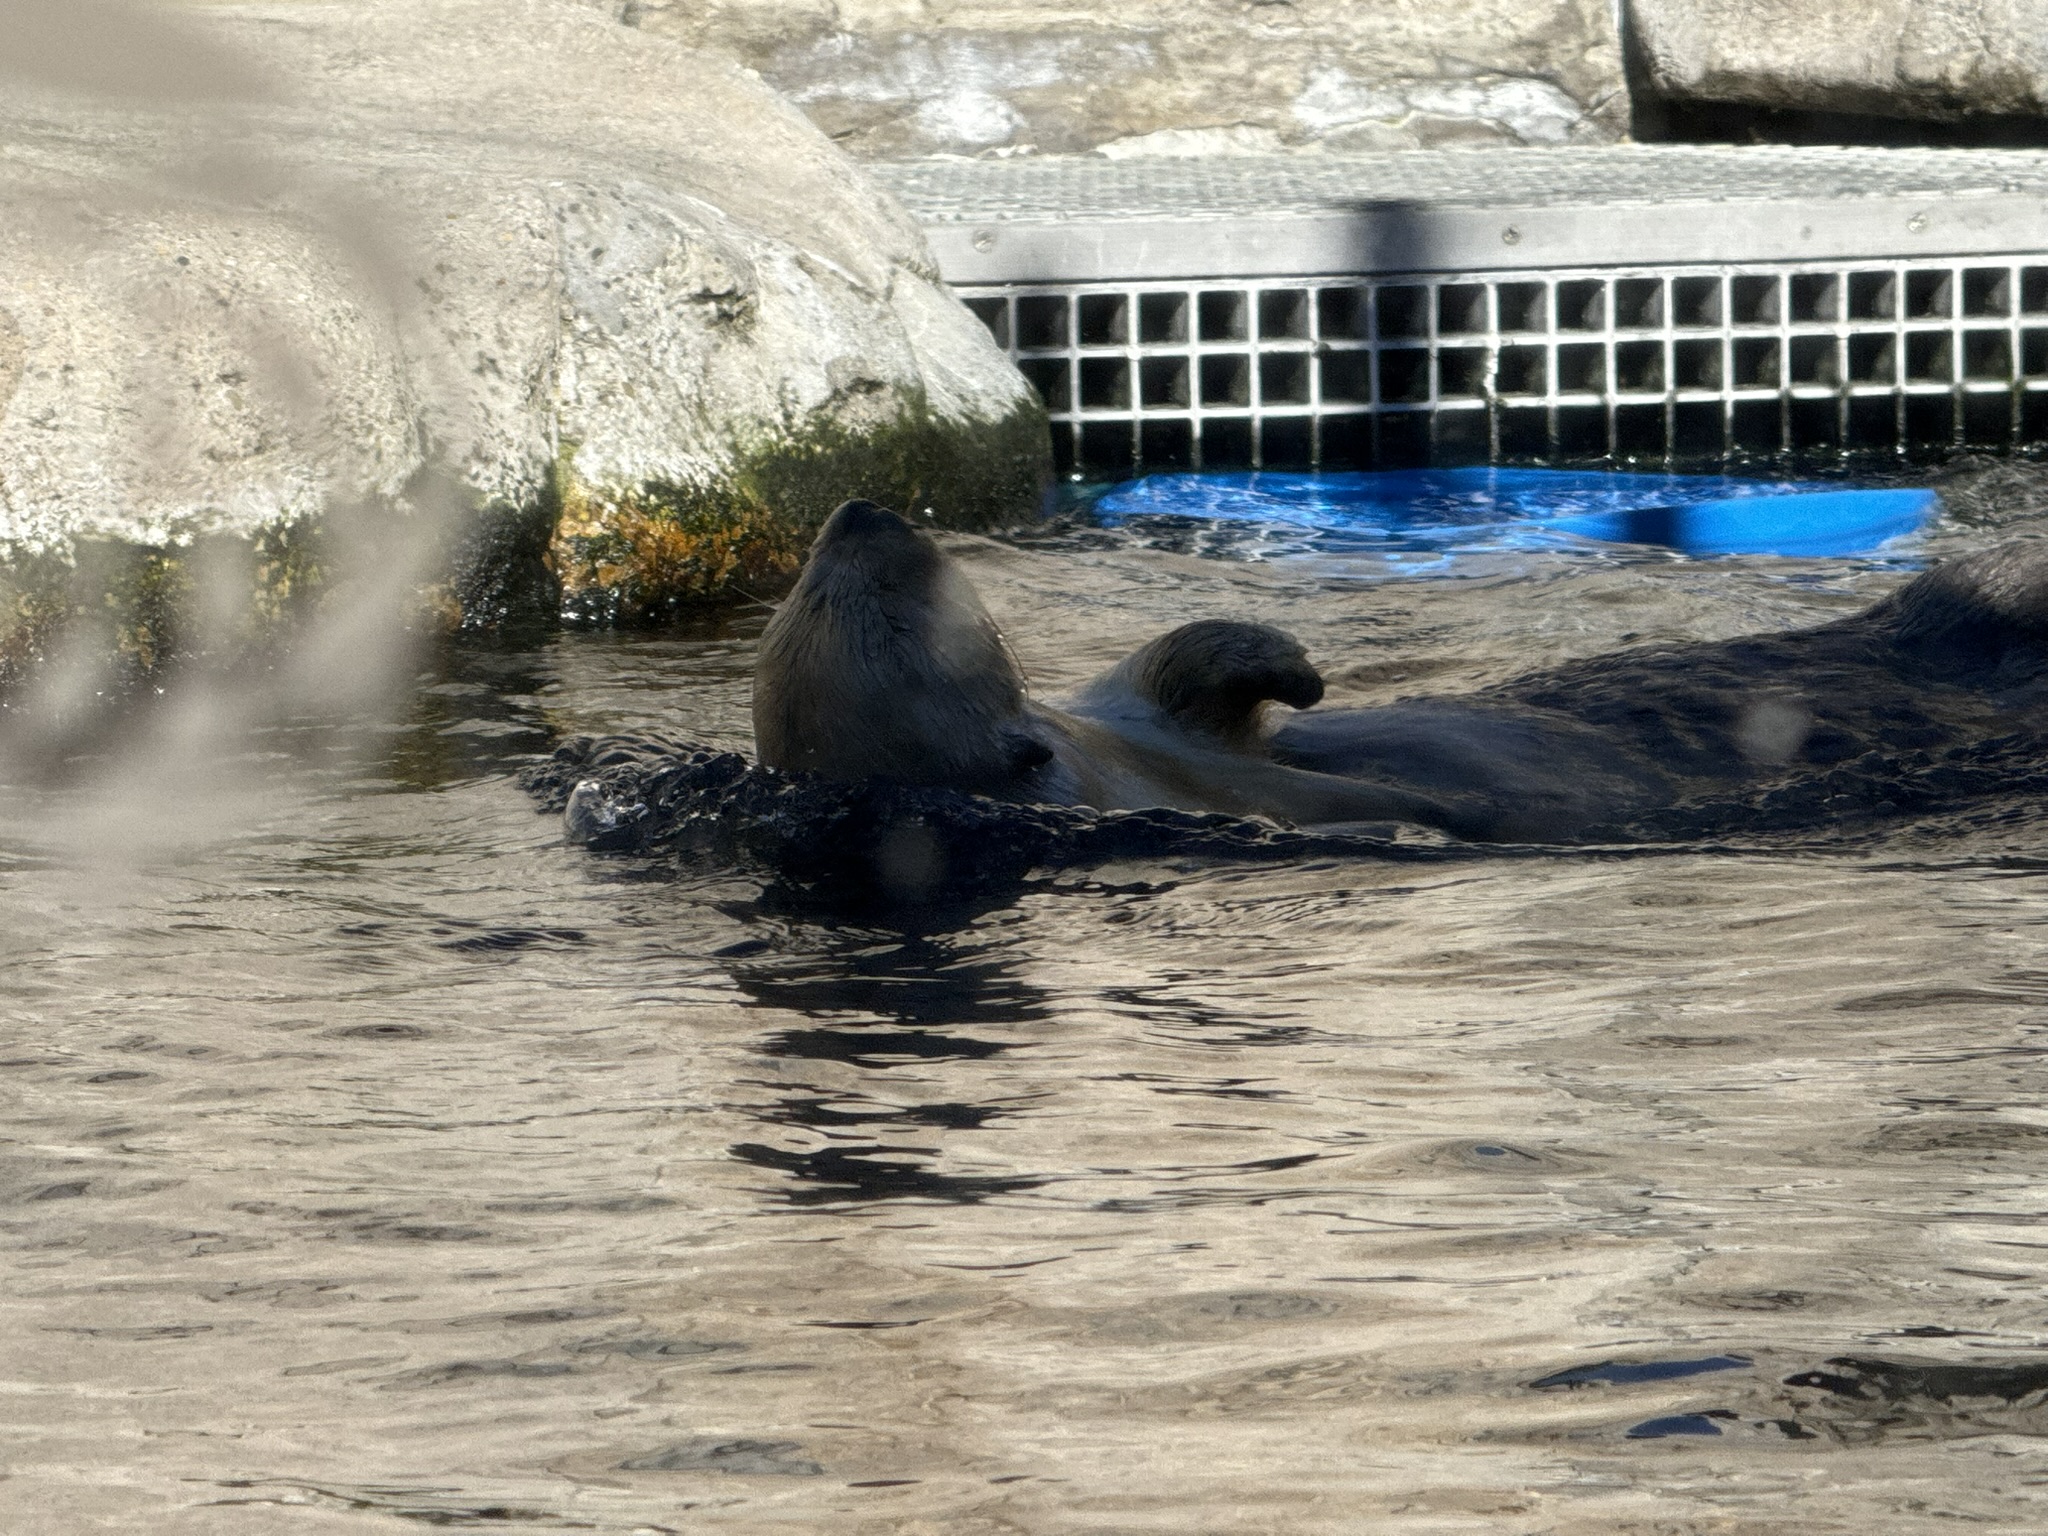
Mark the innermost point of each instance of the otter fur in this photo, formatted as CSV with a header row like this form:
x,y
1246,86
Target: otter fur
x,y
883,663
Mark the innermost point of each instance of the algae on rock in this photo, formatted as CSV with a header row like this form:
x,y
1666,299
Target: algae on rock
x,y
660,547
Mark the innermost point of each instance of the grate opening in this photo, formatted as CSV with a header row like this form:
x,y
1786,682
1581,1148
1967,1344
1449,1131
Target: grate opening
x,y
1638,303
1522,371
1524,307
1582,305
1284,379
1930,421
1987,356
1813,425
1404,376
1048,375
1929,295
1639,367
1221,317
1107,444
1987,421
1699,429
1987,291
1524,435
1227,381
1347,378
1873,295
1696,365
1343,314
1872,359
1401,311
1104,320
1753,299
1105,384
1683,366
1163,383
995,314
1462,309
1582,370
1288,443
1228,441
1929,358
1167,444
1814,360
1283,315
1162,319
1874,421
1816,296
1461,373
1042,322
1756,362
1696,303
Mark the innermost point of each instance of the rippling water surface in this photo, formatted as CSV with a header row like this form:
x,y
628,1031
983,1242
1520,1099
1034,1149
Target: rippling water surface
x,y
373,1160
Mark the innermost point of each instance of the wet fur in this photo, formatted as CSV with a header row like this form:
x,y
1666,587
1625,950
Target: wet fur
x,y
1597,748
884,664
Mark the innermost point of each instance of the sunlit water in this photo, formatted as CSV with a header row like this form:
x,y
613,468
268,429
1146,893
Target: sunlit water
x,y
372,1159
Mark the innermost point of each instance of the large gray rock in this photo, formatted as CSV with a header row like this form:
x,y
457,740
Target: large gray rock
x,y
505,245
888,78
1893,58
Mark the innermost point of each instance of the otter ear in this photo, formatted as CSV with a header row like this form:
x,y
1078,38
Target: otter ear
x,y
1214,674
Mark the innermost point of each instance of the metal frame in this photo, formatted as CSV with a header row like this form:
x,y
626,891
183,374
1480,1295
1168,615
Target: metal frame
x,y
1675,364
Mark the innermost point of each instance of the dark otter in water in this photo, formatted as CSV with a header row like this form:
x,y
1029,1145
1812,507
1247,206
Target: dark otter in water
x,y
883,663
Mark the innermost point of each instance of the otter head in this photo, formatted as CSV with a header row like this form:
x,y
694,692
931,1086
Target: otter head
x,y
884,664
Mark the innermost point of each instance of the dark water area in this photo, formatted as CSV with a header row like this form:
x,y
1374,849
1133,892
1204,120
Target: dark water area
x,y
376,1159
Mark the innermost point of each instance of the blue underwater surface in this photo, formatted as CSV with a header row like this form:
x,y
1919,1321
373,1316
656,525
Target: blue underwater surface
x,y
1419,519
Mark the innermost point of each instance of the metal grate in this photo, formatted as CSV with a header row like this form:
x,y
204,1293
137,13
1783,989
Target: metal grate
x,y
1667,365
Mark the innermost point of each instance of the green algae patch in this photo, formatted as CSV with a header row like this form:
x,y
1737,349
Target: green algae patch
x,y
654,551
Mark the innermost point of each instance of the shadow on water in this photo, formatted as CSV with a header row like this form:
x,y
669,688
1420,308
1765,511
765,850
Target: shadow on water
x,y
911,978
844,1175
923,993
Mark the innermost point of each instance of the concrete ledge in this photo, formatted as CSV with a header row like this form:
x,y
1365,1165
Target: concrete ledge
x,y
1088,219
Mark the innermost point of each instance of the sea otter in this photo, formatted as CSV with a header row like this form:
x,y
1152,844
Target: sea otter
x,y
884,664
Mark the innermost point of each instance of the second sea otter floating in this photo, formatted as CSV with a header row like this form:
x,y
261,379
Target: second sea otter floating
x,y
883,664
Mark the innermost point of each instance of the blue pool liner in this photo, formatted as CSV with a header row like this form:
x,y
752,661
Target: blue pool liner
x,y
1423,512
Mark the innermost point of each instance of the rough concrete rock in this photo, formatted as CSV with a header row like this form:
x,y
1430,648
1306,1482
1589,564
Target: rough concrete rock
x,y
911,77
1941,59
504,244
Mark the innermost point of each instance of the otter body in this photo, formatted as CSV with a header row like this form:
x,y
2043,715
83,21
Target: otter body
x,y
1590,749
883,663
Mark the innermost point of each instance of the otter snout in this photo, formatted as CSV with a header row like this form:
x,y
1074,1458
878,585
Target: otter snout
x,y
882,663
